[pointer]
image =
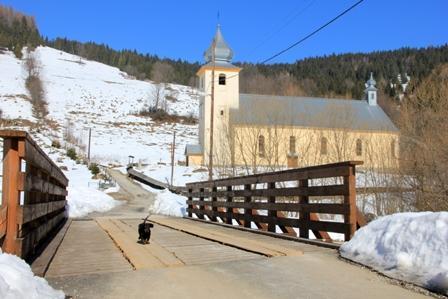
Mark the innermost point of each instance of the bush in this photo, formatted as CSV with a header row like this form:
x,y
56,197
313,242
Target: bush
x,y
94,169
56,144
71,153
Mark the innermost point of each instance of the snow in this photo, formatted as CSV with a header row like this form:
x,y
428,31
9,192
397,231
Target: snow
x,y
83,199
407,246
17,281
168,204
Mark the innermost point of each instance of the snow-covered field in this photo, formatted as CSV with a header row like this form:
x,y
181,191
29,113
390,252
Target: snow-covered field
x,y
407,246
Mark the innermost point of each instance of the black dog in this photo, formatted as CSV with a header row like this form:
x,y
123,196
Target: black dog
x,y
144,231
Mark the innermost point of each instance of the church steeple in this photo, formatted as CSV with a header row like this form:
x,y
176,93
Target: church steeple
x,y
371,91
223,53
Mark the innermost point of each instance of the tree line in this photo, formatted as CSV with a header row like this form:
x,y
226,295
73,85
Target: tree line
x,y
340,75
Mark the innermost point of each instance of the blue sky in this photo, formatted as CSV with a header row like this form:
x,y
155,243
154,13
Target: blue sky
x,y
254,29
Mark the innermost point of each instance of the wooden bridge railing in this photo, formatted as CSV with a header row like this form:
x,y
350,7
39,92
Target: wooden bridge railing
x,y
33,194
243,198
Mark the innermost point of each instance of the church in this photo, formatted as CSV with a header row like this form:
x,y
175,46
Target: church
x,y
274,132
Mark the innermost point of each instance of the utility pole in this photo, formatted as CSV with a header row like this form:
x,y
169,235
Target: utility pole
x,y
212,104
173,146
88,148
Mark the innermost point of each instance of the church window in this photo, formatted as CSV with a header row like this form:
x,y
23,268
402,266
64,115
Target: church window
x,y
221,112
358,147
292,144
261,149
222,79
323,146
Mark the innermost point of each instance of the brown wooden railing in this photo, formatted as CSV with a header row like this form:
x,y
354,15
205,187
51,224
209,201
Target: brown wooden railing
x,y
33,194
242,198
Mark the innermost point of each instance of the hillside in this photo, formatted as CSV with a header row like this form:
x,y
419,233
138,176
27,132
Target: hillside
x,y
84,94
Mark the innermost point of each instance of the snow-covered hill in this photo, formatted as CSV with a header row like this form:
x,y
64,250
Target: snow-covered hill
x,y
84,94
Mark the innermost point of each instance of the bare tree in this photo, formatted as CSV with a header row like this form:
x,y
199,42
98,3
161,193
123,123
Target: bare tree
x,y
35,87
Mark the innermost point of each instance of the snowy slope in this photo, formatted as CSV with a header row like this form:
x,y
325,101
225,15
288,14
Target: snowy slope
x,y
14,98
84,94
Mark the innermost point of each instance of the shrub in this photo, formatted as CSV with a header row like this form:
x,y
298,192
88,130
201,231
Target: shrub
x,y
55,143
71,153
94,169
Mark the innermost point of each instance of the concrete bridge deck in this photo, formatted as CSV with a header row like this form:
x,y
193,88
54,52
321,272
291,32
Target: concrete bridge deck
x,y
99,257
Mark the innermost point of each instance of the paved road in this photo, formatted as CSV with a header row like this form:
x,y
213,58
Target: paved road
x,y
188,259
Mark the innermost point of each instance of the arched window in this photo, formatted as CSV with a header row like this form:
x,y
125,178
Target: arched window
x,y
292,144
261,149
393,149
358,147
323,146
222,79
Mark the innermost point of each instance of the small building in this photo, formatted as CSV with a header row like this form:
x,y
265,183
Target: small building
x,y
278,131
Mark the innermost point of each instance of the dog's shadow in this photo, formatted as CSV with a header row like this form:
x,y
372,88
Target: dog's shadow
x,y
143,242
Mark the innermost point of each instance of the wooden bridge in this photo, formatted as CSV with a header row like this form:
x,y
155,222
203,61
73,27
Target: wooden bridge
x,y
99,257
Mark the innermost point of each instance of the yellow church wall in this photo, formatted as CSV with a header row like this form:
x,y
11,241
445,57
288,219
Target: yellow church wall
x,y
377,151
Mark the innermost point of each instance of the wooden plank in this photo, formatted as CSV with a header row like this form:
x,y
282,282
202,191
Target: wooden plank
x,y
35,183
336,227
323,235
31,238
285,229
134,252
328,208
31,212
331,190
42,262
229,238
320,171
86,248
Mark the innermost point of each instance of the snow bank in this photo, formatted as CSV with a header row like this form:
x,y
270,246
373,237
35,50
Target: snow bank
x,y
84,200
407,246
17,281
169,204
81,198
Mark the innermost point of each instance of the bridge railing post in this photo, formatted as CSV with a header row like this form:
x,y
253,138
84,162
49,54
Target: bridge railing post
x,y
190,206
213,203
229,209
247,211
304,216
202,206
350,216
272,213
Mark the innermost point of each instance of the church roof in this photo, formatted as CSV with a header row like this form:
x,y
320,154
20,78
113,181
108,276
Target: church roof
x,y
223,53
310,112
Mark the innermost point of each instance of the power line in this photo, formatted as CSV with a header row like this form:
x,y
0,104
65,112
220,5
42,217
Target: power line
x,y
308,36
313,33
289,20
